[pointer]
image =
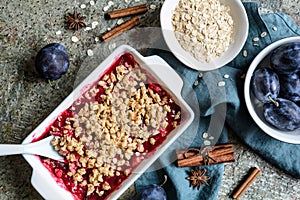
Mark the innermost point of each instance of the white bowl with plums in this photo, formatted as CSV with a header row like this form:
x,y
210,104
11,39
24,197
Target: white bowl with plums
x,y
272,90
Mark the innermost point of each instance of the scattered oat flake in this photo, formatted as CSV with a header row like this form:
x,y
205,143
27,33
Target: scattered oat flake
x,y
205,135
94,24
92,3
58,32
152,6
120,21
97,39
82,6
245,53
88,29
108,28
112,46
255,44
226,76
200,75
207,142
221,83
255,39
196,83
75,39
110,3
263,34
274,28
105,8
211,138
90,52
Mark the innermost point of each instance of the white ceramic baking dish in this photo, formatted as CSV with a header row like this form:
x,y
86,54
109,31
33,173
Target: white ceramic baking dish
x,y
45,182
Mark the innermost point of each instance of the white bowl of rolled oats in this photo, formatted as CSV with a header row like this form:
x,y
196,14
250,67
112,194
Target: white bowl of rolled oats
x,y
204,35
111,128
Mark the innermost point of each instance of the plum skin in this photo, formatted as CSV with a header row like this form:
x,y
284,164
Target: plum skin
x,y
265,84
52,61
285,59
285,117
152,192
290,87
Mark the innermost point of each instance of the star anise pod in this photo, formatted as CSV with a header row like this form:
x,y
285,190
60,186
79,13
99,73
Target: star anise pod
x,y
198,177
75,20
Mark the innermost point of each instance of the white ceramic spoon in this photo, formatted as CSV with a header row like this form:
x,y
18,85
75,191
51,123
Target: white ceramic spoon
x,y
41,147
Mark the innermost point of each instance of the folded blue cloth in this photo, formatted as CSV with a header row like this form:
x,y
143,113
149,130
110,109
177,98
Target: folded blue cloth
x,y
212,101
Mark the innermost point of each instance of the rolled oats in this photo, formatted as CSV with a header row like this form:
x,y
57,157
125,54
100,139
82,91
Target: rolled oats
x,y
226,76
196,83
203,28
207,142
221,83
245,53
263,34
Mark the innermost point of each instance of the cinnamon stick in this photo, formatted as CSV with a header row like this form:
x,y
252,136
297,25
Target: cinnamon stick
x,y
129,24
134,10
244,186
220,154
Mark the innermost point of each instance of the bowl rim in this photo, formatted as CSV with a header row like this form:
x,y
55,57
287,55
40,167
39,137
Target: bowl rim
x,y
184,56
268,129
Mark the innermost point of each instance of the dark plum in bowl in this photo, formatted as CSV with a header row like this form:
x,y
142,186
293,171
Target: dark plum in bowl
x,y
284,116
265,85
52,61
290,86
278,117
285,59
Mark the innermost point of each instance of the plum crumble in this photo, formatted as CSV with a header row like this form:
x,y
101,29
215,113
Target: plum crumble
x,y
118,122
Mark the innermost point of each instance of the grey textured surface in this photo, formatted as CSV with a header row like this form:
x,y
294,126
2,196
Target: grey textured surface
x,y
25,100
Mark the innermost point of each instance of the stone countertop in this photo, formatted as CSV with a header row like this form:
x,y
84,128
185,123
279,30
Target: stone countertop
x,y
25,100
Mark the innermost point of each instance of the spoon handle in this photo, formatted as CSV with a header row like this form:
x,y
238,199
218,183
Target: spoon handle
x,y
11,149
41,147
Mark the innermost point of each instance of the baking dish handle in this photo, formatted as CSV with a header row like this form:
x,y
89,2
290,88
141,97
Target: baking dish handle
x,y
42,185
165,73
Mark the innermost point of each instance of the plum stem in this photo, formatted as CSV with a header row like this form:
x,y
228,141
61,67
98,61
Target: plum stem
x,y
163,183
273,101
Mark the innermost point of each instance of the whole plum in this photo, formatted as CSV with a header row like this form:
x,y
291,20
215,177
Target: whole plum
x,y
265,84
52,61
285,59
290,87
152,192
284,116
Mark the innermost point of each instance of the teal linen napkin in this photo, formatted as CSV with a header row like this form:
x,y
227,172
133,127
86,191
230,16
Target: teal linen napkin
x,y
214,99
